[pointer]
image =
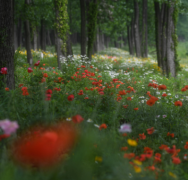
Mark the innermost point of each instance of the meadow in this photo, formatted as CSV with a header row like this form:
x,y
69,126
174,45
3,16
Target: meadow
x,y
114,118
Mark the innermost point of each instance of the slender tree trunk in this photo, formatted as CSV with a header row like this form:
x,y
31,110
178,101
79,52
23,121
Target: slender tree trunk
x,y
20,33
69,46
38,38
136,29
145,29
132,35
7,45
43,35
130,41
15,37
28,40
83,27
171,34
35,40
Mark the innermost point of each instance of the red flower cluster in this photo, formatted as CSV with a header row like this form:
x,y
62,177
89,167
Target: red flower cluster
x,y
24,91
29,70
37,63
42,147
48,94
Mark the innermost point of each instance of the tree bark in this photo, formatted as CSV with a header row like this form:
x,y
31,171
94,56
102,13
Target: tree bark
x,y
145,29
136,29
15,38
170,41
6,45
28,40
83,27
130,41
69,46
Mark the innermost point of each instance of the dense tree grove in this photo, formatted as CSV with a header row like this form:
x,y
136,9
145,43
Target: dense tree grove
x,y
96,24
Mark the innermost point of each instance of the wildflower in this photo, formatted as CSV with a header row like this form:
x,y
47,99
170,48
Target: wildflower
x,y
9,127
150,102
125,106
98,159
132,142
77,118
42,147
124,148
164,116
129,155
137,169
172,175
150,130
68,119
29,70
70,97
136,109
164,94
20,85
129,98
170,134
45,75
178,103
161,87
142,136
163,146
125,128
48,97
6,89
186,145
176,160
81,92
37,63
103,126
157,157
49,91
183,89
3,70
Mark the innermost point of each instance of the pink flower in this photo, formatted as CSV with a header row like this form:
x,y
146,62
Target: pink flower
x,y
125,128
9,127
3,70
29,70
37,63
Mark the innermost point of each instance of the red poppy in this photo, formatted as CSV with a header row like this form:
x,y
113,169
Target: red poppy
x,y
176,160
186,145
29,70
45,75
129,98
77,118
178,103
170,134
161,87
150,102
157,157
142,136
163,146
44,147
125,106
129,155
6,89
124,148
164,94
102,126
186,87
150,130
49,91
136,109
70,97
183,89
122,92
81,92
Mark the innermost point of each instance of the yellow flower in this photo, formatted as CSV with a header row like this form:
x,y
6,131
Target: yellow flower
x,y
172,175
98,159
132,142
137,169
137,162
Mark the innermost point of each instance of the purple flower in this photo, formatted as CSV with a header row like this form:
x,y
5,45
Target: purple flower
x,y
9,127
164,116
125,128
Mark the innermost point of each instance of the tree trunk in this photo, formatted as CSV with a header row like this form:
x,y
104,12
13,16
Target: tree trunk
x,y
38,38
132,35
83,27
92,7
15,38
28,40
136,29
69,46
48,40
43,35
35,40
20,33
6,45
171,34
130,41
145,30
